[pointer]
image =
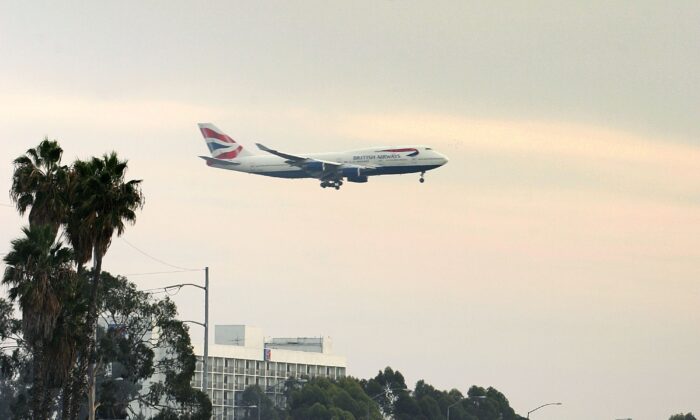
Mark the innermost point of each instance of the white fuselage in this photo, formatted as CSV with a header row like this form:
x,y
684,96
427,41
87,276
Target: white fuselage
x,y
372,161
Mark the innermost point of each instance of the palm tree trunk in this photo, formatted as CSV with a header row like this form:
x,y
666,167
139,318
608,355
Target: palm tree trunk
x,y
92,325
72,389
39,384
86,367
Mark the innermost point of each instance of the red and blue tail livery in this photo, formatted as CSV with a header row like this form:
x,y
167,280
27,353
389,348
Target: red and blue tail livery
x,y
220,145
331,168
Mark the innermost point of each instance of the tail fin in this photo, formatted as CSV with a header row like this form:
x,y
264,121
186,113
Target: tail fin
x,y
220,145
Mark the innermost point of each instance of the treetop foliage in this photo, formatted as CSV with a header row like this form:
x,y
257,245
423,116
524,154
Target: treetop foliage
x,y
682,416
49,359
387,395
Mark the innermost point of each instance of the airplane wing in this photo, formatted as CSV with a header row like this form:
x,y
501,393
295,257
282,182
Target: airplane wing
x,y
321,169
219,162
291,159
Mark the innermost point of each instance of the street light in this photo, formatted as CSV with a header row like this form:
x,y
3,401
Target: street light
x,y
205,361
383,393
543,405
481,397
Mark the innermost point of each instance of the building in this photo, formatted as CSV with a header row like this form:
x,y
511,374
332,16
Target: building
x,y
241,357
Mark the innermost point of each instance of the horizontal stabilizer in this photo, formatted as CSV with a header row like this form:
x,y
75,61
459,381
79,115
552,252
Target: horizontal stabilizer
x,y
219,162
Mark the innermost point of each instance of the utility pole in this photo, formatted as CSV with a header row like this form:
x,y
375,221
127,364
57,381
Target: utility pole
x,y
205,362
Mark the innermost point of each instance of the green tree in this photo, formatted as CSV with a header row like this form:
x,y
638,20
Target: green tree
x,y
489,404
405,407
60,306
15,390
323,398
682,416
141,340
426,402
254,395
39,273
345,398
387,387
40,182
429,408
13,385
9,339
102,202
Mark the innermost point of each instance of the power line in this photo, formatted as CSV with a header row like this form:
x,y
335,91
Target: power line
x,y
162,272
145,254
159,260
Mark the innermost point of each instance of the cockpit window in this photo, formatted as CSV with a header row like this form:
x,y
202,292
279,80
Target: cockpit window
x,y
428,148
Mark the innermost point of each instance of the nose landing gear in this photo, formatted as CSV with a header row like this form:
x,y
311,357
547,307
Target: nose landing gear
x,y
422,179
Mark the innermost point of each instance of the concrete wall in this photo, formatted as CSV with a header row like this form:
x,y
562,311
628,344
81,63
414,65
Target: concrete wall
x,y
239,335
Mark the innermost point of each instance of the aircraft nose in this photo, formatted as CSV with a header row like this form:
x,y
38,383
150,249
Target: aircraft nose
x,y
444,159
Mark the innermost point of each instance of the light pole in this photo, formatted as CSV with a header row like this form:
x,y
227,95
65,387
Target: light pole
x,y
205,361
383,393
543,405
481,397
450,406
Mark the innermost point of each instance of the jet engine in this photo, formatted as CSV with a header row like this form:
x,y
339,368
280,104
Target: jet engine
x,y
357,178
315,166
355,174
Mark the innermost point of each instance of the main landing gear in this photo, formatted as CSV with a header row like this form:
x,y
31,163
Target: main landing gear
x,y
422,179
332,184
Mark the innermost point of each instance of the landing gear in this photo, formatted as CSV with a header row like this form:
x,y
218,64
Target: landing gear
x,y
422,179
332,184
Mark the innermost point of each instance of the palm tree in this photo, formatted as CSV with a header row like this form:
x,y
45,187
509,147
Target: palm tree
x,y
38,272
39,181
102,202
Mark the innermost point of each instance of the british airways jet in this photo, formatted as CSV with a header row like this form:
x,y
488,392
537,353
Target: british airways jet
x,y
329,168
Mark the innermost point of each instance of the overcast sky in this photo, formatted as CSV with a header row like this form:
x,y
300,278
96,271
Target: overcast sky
x,y
556,256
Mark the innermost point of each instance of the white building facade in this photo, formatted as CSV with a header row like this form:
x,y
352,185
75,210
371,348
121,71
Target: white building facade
x,y
241,357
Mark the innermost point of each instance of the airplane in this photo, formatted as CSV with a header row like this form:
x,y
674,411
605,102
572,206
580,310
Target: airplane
x,y
329,168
